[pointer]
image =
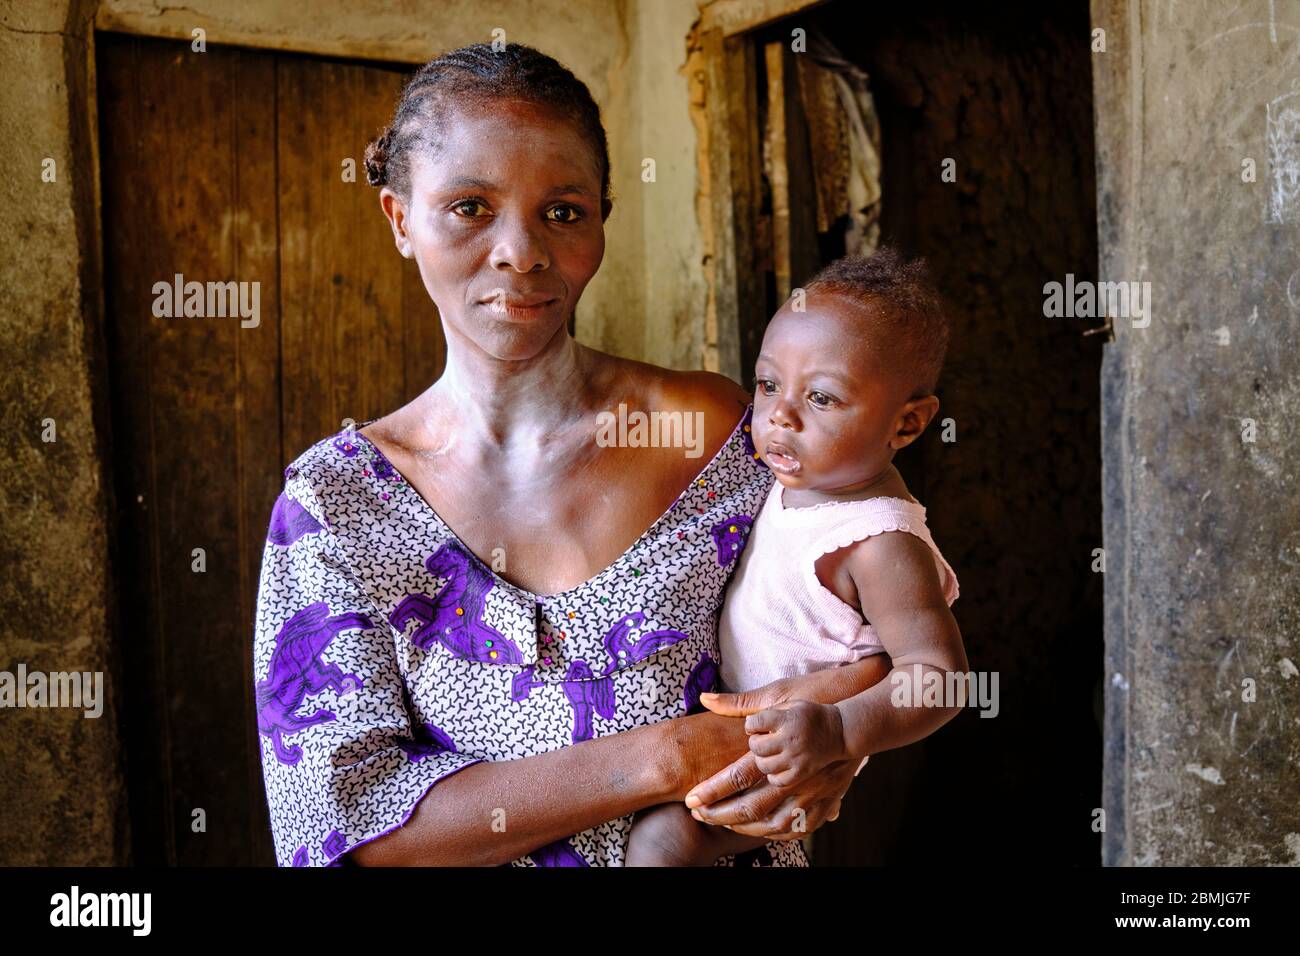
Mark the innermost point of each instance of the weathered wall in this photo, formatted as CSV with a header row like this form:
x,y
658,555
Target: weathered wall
x,y
61,794
1202,528
675,289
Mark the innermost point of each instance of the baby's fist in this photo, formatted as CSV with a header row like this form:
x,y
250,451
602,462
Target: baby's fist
x,y
796,739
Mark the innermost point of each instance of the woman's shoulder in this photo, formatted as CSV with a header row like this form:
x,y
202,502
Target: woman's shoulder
x,y
720,401
322,468
326,456
670,389
698,388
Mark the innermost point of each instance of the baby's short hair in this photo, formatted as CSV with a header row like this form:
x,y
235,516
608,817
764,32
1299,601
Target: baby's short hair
x,y
910,323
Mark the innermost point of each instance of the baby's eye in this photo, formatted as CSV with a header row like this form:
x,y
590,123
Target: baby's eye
x,y
820,399
569,213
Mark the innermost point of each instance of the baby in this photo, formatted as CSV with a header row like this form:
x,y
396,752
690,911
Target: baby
x,y
839,563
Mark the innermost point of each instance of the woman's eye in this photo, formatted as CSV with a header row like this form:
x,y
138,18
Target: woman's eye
x,y
466,207
565,213
765,386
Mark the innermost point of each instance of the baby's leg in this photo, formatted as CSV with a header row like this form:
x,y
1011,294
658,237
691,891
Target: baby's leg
x,y
667,835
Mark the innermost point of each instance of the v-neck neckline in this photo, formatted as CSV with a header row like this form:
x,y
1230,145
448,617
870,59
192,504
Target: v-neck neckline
x,y
421,502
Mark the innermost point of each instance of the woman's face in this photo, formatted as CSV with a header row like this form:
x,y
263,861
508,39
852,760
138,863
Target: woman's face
x,y
504,221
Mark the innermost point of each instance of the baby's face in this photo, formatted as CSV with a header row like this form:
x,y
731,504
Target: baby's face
x,y
825,407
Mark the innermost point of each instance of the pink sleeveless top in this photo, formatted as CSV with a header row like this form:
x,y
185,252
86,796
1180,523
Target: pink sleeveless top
x,y
778,620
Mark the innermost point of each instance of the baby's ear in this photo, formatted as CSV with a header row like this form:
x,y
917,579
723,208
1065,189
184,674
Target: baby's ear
x,y
915,416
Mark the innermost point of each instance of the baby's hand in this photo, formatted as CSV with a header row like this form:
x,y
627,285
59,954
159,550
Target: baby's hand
x,y
796,739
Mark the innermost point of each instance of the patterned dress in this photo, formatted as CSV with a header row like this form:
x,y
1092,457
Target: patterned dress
x,y
388,656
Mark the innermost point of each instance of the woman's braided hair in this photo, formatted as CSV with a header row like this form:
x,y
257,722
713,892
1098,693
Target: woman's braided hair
x,y
475,75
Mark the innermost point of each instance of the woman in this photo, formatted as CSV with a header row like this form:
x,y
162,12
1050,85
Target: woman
x,y
515,689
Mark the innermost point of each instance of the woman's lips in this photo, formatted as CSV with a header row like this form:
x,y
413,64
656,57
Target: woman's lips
x,y
782,459
518,308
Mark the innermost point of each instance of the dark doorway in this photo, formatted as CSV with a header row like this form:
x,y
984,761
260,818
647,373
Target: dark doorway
x,y
1004,91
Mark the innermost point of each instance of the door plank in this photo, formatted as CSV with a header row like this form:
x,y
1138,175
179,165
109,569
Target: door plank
x,y
342,280
195,423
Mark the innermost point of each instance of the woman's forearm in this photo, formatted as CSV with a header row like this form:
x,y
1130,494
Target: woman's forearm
x,y
834,684
497,811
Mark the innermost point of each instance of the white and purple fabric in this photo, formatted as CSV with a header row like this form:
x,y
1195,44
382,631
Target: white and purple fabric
x,y
388,656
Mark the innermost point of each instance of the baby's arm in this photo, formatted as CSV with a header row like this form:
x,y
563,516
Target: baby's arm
x,y
902,596
898,589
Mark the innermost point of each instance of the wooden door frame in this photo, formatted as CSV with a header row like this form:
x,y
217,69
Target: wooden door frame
x,y
722,58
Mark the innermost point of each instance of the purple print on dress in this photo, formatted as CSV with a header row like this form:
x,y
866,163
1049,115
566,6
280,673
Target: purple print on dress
x,y
624,648
334,844
454,617
425,741
559,853
703,679
290,521
297,670
522,683
381,465
585,695
730,535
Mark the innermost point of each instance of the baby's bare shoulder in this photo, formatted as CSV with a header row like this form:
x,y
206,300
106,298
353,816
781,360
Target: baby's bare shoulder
x,y
894,568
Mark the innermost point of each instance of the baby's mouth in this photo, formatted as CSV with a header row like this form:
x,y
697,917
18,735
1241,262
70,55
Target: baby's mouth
x,y
781,458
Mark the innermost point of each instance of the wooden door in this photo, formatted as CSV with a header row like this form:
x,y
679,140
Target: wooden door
x,y
228,166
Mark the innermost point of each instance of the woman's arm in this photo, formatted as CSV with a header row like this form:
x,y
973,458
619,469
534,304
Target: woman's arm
x,y
497,811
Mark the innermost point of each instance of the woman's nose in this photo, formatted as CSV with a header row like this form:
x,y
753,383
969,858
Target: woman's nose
x,y
521,247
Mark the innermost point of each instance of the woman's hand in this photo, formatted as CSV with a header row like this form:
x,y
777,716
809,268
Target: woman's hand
x,y
791,781
742,797
763,809
713,743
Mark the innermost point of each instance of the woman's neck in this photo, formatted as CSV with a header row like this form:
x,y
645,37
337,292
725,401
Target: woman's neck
x,y
497,403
